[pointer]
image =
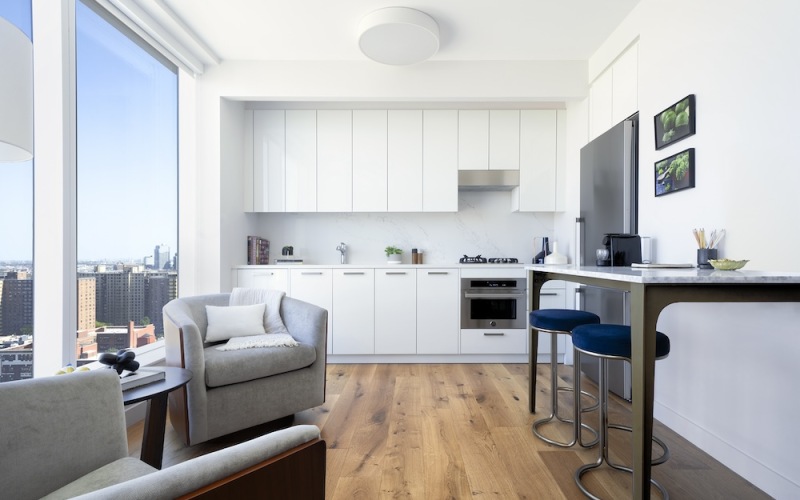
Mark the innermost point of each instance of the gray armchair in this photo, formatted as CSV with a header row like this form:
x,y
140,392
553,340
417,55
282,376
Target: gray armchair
x,y
234,390
65,437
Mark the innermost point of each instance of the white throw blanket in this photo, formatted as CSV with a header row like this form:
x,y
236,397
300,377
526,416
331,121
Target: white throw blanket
x,y
276,333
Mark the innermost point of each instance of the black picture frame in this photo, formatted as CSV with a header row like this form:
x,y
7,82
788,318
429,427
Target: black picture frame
x,y
675,122
674,173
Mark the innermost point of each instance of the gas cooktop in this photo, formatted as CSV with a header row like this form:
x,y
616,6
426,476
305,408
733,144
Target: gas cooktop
x,y
483,260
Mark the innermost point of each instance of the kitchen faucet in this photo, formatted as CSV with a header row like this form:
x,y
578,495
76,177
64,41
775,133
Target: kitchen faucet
x,y
342,248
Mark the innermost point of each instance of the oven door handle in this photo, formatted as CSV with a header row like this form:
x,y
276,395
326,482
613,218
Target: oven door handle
x,y
468,295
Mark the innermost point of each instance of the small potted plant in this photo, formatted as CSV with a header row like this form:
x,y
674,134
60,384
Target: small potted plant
x,y
393,254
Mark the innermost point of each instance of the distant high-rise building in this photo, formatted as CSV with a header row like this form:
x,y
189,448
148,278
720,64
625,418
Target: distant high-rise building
x,y
120,296
148,261
161,257
17,303
87,302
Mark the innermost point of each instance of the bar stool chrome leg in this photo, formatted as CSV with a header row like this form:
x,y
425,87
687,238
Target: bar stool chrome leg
x,y
554,389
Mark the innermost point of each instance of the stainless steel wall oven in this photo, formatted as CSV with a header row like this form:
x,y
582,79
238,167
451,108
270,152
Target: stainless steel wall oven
x,y
493,303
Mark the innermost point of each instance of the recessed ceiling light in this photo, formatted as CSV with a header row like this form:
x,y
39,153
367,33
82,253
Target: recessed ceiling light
x,y
398,36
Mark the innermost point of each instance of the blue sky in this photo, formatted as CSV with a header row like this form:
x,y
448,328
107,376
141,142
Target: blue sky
x,y
127,149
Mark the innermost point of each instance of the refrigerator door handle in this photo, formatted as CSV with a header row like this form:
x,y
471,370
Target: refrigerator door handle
x,y
580,224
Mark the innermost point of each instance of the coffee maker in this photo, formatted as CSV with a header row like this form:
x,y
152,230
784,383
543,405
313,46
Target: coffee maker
x,y
621,249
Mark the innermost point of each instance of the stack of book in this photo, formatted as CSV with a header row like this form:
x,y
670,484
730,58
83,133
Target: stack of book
x,y
142,376
257,251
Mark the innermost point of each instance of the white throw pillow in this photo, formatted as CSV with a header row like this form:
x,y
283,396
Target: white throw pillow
x,y
226,322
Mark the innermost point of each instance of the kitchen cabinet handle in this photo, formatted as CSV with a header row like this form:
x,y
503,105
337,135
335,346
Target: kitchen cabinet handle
x,y
493,295
544,294
395,272
493,334
437,272
310,272
264,274
353,272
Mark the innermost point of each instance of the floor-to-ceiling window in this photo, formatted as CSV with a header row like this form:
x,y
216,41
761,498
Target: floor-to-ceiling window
x,y
127,185
16,241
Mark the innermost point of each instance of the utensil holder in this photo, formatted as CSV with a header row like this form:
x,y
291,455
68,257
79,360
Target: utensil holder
x,y
703,255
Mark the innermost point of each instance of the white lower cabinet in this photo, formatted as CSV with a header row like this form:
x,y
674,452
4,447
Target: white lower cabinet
x,y
275,279
395,311
437,311
552,296
511,341
315,286
354,303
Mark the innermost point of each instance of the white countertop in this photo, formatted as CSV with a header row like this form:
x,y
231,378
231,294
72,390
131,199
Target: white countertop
x,y
386,266
687,275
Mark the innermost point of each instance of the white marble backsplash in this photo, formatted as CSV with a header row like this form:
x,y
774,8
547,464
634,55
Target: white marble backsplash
x,y
484,224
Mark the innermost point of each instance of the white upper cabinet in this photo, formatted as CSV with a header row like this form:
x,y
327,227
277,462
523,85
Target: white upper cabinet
x,y
538,161
269,156
334,161
301,161
614,95
504,139
369,160
625,83
600,99
440,161
473,139
405,161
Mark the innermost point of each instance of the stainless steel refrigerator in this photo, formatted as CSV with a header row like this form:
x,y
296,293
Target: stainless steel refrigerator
x,y
608,204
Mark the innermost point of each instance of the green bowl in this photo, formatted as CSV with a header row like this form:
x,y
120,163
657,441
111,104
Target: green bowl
x,y
727,264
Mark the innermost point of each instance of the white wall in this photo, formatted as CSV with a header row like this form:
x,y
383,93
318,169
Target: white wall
x,y
483,225
726,385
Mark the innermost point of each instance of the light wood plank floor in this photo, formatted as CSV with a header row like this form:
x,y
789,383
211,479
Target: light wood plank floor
x,y
463,431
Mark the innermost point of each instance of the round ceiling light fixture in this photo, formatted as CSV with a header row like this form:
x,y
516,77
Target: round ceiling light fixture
x,y
398,36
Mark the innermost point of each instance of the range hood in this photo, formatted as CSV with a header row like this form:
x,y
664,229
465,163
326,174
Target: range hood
x,y
487,180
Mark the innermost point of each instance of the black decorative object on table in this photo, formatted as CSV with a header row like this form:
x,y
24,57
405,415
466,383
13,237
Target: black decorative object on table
x,y
122,360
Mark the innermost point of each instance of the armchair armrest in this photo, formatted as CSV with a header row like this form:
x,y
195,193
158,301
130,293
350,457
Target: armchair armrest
x,y
289,463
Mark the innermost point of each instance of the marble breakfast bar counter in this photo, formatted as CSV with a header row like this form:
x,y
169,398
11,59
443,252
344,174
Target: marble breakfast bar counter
x,y
651,290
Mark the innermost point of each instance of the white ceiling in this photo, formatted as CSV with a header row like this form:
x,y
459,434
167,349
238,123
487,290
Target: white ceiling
x,y
470,30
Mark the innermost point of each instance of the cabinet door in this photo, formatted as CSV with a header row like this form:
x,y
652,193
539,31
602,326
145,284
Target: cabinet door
x,y
314,286
440,161
275,279
504,139
625,85
301,161
369,160
334,161
473,139
600,105
395,311
552,298
404,161
437,311
538,161
269,156
354,303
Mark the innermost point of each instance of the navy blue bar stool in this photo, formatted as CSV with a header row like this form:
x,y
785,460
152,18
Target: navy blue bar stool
x,y
562,322
613,342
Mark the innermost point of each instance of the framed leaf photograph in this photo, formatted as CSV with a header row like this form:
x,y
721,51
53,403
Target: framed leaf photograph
x,y
675,172
675,123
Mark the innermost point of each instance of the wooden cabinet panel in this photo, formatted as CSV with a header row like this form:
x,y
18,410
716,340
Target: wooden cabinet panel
x,y
625,85
275,279
600,105
538,161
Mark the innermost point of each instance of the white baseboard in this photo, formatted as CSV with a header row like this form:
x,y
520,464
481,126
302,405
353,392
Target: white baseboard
x,y
768,480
